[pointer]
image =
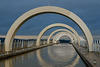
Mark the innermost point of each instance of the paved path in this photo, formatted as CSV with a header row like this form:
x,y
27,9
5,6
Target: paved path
x,y
90,56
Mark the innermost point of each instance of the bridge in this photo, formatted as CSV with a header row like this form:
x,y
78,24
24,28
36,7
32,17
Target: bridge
x,y
49,51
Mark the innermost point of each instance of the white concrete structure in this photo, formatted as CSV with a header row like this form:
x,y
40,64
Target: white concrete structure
x,y
45,9
56,25
58,30
60,34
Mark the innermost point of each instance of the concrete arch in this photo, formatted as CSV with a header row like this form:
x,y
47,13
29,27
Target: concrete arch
x,y
48,40
45,9
56,25
60,34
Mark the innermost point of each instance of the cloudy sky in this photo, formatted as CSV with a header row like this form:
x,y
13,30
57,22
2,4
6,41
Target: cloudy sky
x,y
87,10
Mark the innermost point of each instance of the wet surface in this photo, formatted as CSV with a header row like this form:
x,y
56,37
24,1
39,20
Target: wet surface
x,y
60,55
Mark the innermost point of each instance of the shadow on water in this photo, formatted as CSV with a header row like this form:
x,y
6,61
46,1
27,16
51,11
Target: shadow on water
x,y
60,55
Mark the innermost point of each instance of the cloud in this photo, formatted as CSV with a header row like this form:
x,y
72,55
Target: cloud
x,y
87,10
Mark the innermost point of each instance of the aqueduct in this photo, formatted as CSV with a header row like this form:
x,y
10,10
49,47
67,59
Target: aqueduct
x,y
56,25
45,9
58,30
60,34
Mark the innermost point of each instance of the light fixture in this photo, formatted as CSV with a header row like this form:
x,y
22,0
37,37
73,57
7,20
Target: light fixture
x,y
94,61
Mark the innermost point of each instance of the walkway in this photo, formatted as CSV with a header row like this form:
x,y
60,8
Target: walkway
x,y
92,57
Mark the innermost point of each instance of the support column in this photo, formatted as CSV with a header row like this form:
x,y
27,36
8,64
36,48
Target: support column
x,y
14,44
17,44
20,44
97,45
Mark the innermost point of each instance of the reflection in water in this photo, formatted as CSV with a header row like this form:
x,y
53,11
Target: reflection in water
x,y
61,52
63,55
8,63
52,56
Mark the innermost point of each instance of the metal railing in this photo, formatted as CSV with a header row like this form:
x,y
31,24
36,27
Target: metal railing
x,y
22,44
1,47
96,45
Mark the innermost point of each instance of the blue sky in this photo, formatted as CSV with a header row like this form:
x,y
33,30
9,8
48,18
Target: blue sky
x,y
87,10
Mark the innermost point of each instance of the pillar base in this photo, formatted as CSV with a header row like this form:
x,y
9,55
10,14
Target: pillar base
x,y
7,52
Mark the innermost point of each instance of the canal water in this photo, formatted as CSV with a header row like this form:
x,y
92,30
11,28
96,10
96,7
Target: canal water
x,y
59,55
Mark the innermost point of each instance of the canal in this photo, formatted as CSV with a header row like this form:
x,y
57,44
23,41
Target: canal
x,y
59,55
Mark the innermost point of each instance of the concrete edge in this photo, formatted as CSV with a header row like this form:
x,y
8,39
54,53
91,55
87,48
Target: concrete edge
x,y
88,64
15,53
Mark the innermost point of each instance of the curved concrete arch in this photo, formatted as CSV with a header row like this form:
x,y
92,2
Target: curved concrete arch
x,y
48,40
63,34
60,34
56,25
45,9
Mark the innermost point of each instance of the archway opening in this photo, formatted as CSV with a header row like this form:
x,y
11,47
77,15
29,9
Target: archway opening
x,y
65,39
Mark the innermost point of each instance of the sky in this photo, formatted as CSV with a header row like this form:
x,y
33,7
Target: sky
x,y
87,10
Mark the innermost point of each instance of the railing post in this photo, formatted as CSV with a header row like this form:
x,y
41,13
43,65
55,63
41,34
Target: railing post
x,y
95,46
22,44
14,44
98,45
17,44
27,43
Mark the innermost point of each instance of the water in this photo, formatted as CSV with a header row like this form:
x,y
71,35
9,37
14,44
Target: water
x,y
60,55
